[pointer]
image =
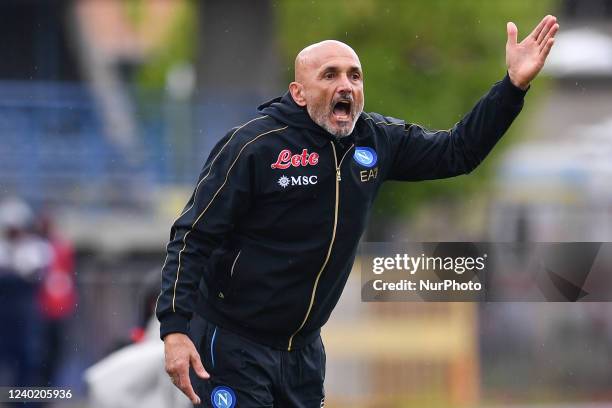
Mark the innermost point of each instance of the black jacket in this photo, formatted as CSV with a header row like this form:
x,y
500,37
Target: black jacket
x,y
269,236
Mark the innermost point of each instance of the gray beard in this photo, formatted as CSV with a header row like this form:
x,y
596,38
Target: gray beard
x,y
318,119
342,133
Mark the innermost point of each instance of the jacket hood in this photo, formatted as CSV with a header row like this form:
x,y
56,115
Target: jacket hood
x,y
285,110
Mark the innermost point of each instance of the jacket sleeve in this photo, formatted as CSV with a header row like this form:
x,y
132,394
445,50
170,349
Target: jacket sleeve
x,y
421,154
221,196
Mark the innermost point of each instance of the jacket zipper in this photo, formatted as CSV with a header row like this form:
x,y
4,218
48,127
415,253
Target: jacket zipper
x,y
331,243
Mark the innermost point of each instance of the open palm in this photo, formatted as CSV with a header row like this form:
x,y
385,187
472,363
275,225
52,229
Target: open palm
x,y
526,59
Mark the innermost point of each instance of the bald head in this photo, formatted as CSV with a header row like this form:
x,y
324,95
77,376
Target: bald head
x,y
312,57
329,84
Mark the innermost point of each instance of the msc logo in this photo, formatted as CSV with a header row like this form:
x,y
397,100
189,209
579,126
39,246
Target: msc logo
x,y
285,181
223,397
366,156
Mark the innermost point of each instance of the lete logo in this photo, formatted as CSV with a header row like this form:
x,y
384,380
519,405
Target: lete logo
x,y
287,159
366,156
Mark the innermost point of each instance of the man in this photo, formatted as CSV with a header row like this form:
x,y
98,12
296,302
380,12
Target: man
x,y
24,259
260,255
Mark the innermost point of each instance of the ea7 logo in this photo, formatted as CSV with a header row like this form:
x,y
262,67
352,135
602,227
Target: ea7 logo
x,y
285,181
367,175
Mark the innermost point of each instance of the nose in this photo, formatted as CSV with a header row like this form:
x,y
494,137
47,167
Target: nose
x,y
345,85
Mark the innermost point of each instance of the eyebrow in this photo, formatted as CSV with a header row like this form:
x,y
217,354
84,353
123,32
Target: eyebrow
x,y
334,68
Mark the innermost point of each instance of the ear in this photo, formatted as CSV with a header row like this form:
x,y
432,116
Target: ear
x,y
297,93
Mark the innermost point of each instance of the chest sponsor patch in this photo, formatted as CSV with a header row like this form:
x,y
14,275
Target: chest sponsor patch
x,y
365,156
287,159
285,181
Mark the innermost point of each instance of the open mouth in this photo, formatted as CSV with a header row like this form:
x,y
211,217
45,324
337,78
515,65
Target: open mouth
x,y
342,110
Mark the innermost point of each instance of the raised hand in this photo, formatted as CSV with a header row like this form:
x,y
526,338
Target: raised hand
x,y
526,59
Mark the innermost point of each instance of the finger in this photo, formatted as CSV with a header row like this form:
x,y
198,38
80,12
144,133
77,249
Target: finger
x,y
196,362
539,27
547,47
547,27
553,31
551,34
184,385
512,33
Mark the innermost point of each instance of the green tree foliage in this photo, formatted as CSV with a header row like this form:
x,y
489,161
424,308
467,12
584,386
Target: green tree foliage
x,y
178,47
425,61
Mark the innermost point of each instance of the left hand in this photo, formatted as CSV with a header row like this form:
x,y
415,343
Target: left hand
x,y
526,59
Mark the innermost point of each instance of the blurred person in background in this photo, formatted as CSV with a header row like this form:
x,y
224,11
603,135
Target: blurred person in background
x,y
57,296
260,255
134,372
24,260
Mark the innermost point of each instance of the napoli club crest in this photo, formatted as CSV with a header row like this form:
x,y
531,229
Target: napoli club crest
x,y
366,156
223,397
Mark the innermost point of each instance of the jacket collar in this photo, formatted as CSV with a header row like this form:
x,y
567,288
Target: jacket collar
x,y
285,110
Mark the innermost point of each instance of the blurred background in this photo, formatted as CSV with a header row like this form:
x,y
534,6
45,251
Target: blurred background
x,y
108,109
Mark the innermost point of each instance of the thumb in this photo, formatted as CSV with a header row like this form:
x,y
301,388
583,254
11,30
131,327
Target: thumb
x,y
512,33
198,367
